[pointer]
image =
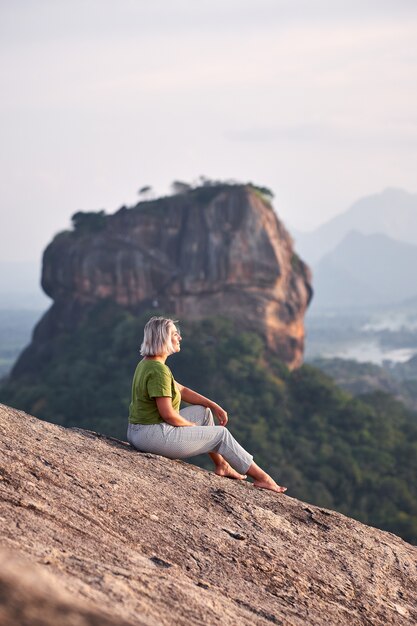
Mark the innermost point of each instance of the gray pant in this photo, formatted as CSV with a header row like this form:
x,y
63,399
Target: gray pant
x,y
181,442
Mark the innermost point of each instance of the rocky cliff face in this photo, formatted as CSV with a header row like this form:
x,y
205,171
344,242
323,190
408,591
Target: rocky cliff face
x,y
212,251
93,532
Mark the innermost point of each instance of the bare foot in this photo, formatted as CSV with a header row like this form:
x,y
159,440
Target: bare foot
x,y
269,484
227,471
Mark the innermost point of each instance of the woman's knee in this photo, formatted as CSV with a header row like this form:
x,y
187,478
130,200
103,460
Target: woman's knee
x,y
226,433
208,417
198,414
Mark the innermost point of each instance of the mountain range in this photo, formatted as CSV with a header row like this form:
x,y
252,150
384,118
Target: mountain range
x,y
393,212
366,270
365,257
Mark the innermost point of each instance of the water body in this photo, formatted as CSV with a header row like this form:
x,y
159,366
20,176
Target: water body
x,y
367,336
368,352
394,322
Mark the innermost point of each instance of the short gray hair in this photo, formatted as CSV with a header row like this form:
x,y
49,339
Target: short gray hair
x,y
157,337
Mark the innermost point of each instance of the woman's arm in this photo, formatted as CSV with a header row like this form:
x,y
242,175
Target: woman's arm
x,y
169,414
192,397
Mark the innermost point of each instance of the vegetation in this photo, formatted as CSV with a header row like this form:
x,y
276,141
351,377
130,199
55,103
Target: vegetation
x,y
295,262
88,222
15,331
205,189
208,189
146,193
178,187
355,455
207,192
399,379
265,193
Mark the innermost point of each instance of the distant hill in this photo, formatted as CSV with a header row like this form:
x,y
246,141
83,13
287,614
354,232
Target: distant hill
x,y
366,270
392,212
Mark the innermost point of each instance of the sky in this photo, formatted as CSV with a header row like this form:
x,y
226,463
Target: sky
x,y
316,99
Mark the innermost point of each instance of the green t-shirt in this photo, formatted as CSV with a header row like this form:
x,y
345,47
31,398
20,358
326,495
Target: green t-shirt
x,y
152,379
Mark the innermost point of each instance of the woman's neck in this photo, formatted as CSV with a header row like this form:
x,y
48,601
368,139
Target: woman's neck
x,y
158,357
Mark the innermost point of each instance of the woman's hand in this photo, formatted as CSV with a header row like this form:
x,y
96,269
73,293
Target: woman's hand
x,y
221,414
192,397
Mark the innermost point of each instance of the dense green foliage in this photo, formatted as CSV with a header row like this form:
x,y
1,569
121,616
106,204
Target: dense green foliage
x,y
88,222
358,456
399,379
204,190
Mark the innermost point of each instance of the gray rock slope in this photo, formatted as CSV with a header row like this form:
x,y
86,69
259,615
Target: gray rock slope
x,y
97,533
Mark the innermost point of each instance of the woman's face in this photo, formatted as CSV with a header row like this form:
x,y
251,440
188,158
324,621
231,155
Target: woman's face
x,y
175,339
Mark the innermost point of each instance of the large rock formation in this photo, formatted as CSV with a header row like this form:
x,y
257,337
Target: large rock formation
x,y
212,251
97,533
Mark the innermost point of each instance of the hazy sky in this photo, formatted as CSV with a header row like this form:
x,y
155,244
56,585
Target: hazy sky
x,y
315,99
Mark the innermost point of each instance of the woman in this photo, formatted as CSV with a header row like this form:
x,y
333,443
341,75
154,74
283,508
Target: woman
x,y
157,425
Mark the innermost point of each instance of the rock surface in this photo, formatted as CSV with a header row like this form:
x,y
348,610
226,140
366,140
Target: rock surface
x,y
140,539
32,596
216,251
